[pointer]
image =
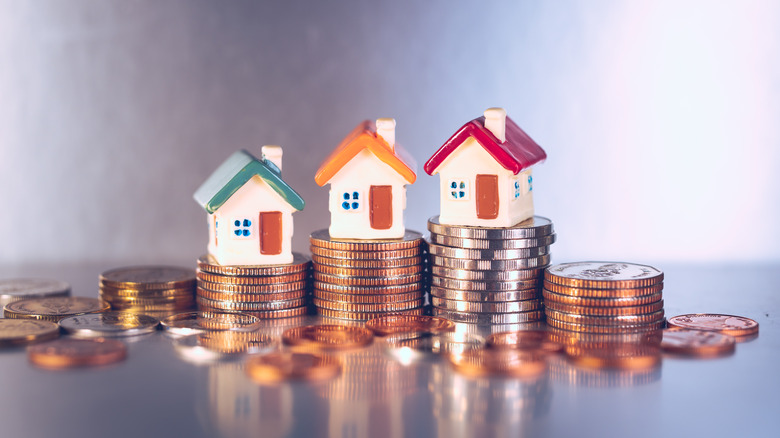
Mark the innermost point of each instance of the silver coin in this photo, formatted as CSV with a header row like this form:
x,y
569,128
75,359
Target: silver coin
x,y
460,242
491,265
481,296
425,347
604,274
250,306
16,289
487,254
484,285
536,226
322,239
489,318
465,274
222,346
488,306
190,323
109,324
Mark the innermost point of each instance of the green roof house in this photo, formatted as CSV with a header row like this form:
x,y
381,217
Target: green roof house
x,y
250,210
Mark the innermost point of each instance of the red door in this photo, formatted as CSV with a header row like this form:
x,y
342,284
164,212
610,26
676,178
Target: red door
x,y
271,232
487,196
380,199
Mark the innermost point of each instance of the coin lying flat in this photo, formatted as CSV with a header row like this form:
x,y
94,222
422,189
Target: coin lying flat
x,y
525,340
282,365
300,263
603,275
16,332
484,296
255,280
489,254
726,324
15,289
322,239
465,274
73,352
148,277
533,227
109,324
328,336
396,323
491,265
697,343
483,285
222,345
368,264
367,299
601,302
190,323
53,309
362,316
459,242
500,362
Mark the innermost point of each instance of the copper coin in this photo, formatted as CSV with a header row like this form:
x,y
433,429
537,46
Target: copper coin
x,y
362,272
606,311
620,356
367,307
322,239
300,263
605,329
241,306
253,288
603,275
290,365
603,293
16,332
370,290
368,299
697,343
366,255
368,264
255,280
726,324
525,340
232,296
73,352
266,314
328,336
601,302
148,277
53,309
367,281
533,227
480,362
397,323
492,254
361,316
613,321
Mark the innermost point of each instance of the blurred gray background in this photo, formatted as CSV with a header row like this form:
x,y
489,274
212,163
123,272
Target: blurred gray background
x,y
660,119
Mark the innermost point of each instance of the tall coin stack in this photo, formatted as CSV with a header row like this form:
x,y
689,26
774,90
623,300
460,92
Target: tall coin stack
x,y
267,291
604,297
489,275
363,279
157,291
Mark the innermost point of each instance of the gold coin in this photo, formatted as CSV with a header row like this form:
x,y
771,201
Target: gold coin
x,y
603,275
368,264
367,281
148,277
361,316
368,290
395,323
322,239
131,301
366,255
363,307
265,314
368,299
16,332
483,285
613,321
290,365
253,288
726,324
362,272
74,352
482,362
235,279
601,302
697,343
135,293
53,309
328,336
300,263
231,296
606,311
603,293
525,340
605,329
241,306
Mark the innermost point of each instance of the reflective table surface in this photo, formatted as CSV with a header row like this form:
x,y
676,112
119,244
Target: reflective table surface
x,y
156,393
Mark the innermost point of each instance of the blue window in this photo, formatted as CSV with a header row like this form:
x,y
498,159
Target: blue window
x,y
517,188
350,201
242,227
530,183
458,189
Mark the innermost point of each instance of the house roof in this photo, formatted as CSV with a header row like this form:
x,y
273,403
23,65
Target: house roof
x,y
232,174
364,137
518,152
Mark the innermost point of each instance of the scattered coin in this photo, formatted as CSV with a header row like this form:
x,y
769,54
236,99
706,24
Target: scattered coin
x,y
516,363
15,289
525,340
283,365
74,352
727,324
395,323
328,337
53,309
190,323
109,324
697,343
17,332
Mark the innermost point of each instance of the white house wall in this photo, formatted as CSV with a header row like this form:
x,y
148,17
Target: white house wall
x,y
248,202
363,171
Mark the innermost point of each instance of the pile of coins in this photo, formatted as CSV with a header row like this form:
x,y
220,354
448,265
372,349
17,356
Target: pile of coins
x,y
489,275
15,289
363,279
157,291
604,297
268,291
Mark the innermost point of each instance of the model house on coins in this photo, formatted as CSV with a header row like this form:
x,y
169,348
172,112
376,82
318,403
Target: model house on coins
x,y
485,172
250,210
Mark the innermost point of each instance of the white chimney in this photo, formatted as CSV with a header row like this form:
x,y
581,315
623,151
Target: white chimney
x,y
495,121
385,128
273,154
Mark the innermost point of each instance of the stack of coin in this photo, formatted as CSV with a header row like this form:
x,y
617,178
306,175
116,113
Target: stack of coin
x,y
363,279
157,291
604,297
264,291
15,289
489,275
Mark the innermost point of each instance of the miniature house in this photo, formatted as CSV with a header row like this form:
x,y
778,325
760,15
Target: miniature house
x,y
367,174
250,210
485,173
